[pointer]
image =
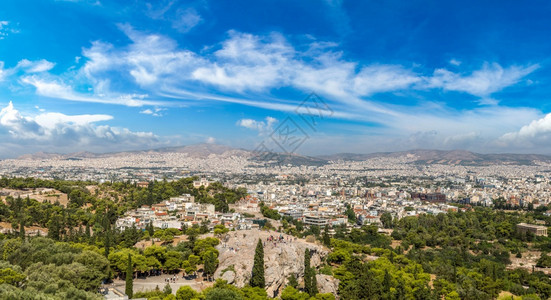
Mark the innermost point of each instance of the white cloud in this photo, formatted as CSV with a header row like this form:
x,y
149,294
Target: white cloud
x,y
90,2
246,62
484,82
156,112
210,140
3,73
455,62
65,133
54,89
52,119
249,64
35,66
384,78
263,127
537,133
245,68
25,66
181,18
186,19
6,29
149,59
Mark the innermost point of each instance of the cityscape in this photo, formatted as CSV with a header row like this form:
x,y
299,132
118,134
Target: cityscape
x,y
290,150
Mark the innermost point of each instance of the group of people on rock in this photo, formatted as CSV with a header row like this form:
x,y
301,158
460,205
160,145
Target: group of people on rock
x,y
279,239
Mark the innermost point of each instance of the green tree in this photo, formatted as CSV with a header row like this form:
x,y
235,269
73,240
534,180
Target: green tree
x,y
350,213
222,294
290,293
150,229
386,219
210,263
190,265
173,261
544,261
220,230
129,280
307,273
257,278
292,281
387,281
186,293
167,290
11,276
326,237
314,283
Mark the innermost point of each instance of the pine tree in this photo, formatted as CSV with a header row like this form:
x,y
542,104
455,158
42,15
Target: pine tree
x,y
257,278
400,293
150,229
292,281
387,281
210,263
314,282
326,237
107,243
22,229
88,232
129,279
366,286
307,273
167,290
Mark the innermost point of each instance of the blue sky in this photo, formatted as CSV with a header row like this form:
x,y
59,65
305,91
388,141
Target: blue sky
x,y
98,75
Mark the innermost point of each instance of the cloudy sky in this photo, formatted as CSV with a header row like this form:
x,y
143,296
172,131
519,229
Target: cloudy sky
x,y
314,77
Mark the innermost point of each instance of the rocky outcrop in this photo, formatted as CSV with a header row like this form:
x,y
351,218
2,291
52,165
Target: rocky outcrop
x,y
229,276
327,284
280,260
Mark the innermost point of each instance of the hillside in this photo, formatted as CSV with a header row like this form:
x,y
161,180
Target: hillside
x,y
420,156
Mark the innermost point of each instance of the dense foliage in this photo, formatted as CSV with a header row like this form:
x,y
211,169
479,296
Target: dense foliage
x,y
457,255
467,253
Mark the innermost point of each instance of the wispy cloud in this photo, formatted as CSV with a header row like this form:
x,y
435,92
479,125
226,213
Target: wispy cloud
x,y
155,112
6,28
35,66
91,2
484,82
247,63
338,16
245,68
186,19
181,18
59,90
25,66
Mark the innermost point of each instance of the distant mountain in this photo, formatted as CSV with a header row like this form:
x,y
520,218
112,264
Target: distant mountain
x,y
451,157
288,159
41,155
420,156
202,150
197,150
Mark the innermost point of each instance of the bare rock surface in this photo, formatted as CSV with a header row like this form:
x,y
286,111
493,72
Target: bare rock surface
x,y
281,259
327,284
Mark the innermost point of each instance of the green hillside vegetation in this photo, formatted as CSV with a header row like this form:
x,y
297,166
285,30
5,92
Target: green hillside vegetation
x,y
458,255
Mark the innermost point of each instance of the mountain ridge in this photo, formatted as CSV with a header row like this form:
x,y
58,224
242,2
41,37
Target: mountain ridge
x,y
420,156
